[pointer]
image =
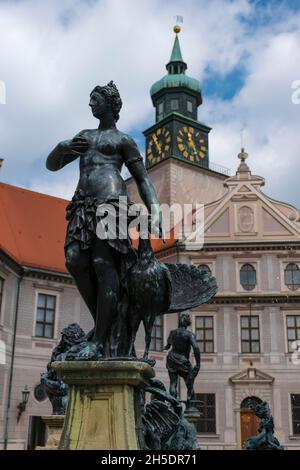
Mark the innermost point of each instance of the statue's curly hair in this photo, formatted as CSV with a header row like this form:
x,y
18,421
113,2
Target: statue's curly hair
x,y
112,95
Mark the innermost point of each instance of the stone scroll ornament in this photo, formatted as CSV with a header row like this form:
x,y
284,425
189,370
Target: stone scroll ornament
x,y
121,286
265,440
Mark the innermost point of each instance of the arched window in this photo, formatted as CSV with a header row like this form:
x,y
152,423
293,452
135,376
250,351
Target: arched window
x,y
292,276
248,277
205,268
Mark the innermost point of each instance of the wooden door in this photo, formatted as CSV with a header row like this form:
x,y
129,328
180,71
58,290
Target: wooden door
x,y
249,425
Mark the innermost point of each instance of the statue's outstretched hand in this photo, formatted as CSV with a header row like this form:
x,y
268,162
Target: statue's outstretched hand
x,y
78,146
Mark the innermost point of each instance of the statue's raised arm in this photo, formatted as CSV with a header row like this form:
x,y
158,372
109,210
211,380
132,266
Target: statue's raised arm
x,y
66,152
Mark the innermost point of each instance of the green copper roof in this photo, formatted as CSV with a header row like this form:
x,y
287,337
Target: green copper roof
x,y
176,77
175,81
176,52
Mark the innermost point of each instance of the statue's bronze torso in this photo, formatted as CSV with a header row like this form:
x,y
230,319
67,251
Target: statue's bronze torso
x,y
100,166
181,341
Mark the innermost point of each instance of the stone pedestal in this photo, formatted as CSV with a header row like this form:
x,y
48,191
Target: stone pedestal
x,y
54,426
103,404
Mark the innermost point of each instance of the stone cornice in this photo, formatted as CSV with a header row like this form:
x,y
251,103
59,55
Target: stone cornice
x,y
255,299
49,275
241,246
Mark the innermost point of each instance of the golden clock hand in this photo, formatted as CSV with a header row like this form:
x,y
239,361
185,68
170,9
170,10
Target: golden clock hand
x,y
158,146
191,143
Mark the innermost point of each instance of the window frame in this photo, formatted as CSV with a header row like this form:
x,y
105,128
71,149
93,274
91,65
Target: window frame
x,y
206,432
171,106
291,314
212,317
255,262
240,277
155,338
293,263
189,102
56,310
244,315
291,414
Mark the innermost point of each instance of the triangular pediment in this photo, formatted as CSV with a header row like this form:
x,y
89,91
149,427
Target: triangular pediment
x,y
251,375
272,224
221,225
245,213
244,189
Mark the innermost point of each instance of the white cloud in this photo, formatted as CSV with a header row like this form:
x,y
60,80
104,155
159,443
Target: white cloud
x,y
52,54
264,108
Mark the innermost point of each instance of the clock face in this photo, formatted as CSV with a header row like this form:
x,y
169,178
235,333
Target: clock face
x,y
191,144
159,145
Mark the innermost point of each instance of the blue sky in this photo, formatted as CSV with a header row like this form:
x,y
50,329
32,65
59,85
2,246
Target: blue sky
x,y
245,54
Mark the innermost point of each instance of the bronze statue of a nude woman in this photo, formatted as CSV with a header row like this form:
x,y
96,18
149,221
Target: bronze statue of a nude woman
x,y
99,266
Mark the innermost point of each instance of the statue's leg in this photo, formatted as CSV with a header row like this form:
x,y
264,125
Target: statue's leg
x,y
106,265
79,266
189,379
148,324
134,323
173,383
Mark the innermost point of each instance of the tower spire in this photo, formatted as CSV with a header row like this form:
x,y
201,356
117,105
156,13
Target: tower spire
x,y
176,65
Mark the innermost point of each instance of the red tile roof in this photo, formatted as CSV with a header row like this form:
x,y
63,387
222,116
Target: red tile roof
x,y
33,227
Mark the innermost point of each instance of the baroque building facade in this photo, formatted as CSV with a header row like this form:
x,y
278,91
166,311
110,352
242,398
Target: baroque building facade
x,y
248,334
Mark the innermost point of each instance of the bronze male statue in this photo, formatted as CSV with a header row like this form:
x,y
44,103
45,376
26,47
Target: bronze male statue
x,y
178,359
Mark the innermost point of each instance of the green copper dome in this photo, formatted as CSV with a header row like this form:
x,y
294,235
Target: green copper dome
x,y
176,77
174,81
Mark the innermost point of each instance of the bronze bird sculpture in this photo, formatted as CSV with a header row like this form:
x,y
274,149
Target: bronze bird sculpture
x,y
157,288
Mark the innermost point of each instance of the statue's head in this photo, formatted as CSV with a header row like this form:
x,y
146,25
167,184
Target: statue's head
x,y
184,320
72,334
104,99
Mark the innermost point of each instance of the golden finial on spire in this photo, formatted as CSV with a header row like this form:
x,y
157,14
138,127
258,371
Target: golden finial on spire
x,y
177,28
243,155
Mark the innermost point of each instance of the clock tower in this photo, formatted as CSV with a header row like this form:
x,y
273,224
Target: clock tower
x,y
177,133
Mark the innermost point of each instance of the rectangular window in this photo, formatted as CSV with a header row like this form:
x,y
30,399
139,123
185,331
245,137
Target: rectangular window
x,y
45,316
174,105
189,106
295,402
293,330
1,292
157,334
205,333
160,108
207,422
250,334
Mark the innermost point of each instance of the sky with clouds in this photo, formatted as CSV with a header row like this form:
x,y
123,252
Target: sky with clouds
x,y
245,53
